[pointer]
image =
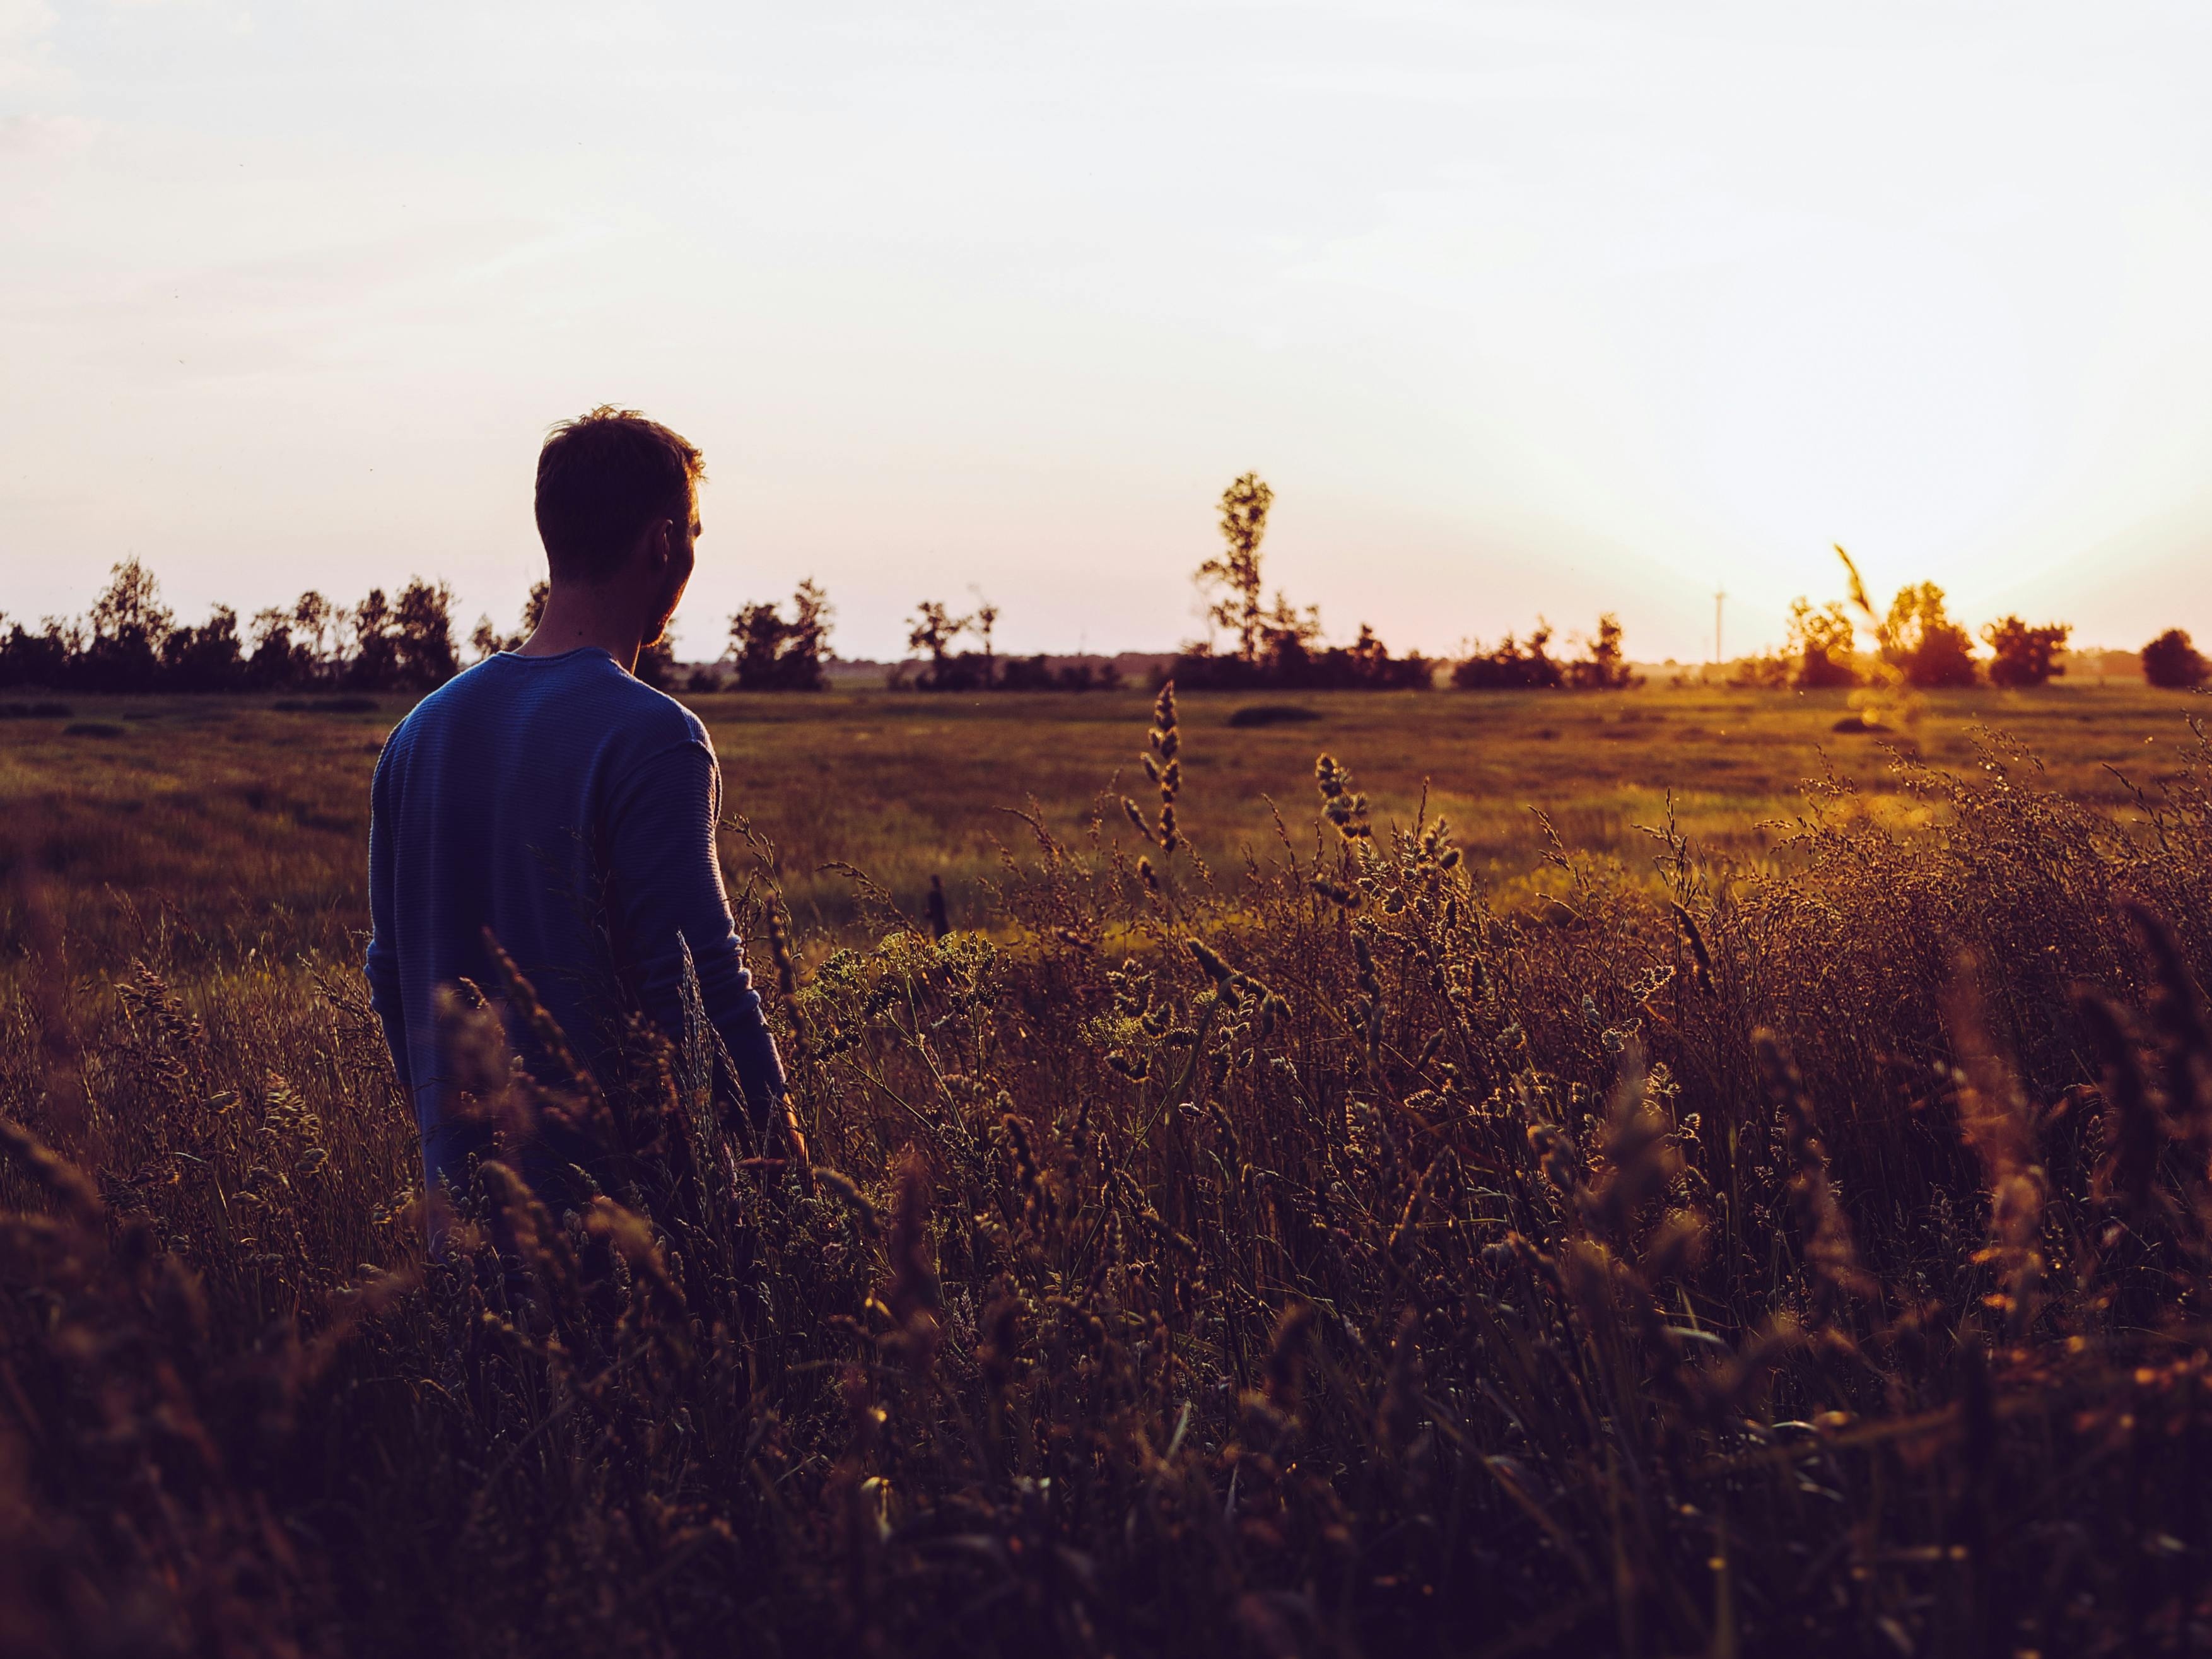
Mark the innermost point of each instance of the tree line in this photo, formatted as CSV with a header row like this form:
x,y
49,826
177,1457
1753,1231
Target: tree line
x,y
131,641
1917,642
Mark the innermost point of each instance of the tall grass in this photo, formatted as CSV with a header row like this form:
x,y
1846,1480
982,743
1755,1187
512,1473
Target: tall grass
x,y
1305,1257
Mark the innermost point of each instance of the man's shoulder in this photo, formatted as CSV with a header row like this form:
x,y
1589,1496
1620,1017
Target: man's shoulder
x,y
658,719
585,690
632,722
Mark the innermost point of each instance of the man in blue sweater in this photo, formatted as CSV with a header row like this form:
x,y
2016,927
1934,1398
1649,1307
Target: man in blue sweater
x,y
550,797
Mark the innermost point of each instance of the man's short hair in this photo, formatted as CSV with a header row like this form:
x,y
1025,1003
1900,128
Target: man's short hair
x,y
602,478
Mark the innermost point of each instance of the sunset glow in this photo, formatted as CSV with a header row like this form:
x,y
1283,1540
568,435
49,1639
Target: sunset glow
x,y
1520,309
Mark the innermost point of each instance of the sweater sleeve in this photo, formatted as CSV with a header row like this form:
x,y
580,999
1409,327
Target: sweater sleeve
x,y
383,963
668,892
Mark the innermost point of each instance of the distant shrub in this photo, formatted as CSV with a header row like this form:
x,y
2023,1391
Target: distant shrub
x,y
1516,666
1289,658
775,653
1920,640
92,729
1512,665
1602,667
1820,645
2172,661
933,631
1272,714
35,711
2024,655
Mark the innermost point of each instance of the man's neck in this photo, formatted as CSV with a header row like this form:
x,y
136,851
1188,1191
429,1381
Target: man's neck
x,y
581,619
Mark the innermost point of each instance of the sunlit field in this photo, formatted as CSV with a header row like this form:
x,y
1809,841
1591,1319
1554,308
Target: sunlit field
x,y
1649,1173
239,814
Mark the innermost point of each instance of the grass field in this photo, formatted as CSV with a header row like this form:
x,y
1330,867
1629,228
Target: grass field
x,y
1739,1220
907,786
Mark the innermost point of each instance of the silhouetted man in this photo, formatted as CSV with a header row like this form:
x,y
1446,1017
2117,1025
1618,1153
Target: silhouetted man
x,y
551,797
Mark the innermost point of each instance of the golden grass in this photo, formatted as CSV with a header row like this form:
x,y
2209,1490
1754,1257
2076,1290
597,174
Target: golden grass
x,y
1781,1227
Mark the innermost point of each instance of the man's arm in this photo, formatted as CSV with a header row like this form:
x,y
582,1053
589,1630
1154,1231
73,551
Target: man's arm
x,y
383,963
667,887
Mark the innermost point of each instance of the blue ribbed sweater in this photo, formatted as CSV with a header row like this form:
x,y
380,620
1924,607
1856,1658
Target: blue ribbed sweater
x,y
560,802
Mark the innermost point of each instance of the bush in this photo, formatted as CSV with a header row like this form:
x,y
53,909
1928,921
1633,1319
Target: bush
x,y
1512,665
2171,660
1919,639
2021,655
774,652
1515,666
1821,643
1289,658
1602,667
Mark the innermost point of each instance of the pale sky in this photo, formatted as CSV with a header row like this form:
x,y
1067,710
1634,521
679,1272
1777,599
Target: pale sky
x,y
1546,309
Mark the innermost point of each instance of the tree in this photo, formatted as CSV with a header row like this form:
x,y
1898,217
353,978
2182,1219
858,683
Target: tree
x,y
2171,661
423,621
1920,640
129,625
934,629
313,619
44,659
375,660
1821,643
206,658
776,654
1605,668
1285,641
276,659
1368,658
2023,655
985,622
1236,570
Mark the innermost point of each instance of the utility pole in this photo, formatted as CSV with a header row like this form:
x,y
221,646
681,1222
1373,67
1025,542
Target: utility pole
x,y
1717,598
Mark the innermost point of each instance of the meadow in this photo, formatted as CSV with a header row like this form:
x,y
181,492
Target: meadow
x,y
250,812
1649,1173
